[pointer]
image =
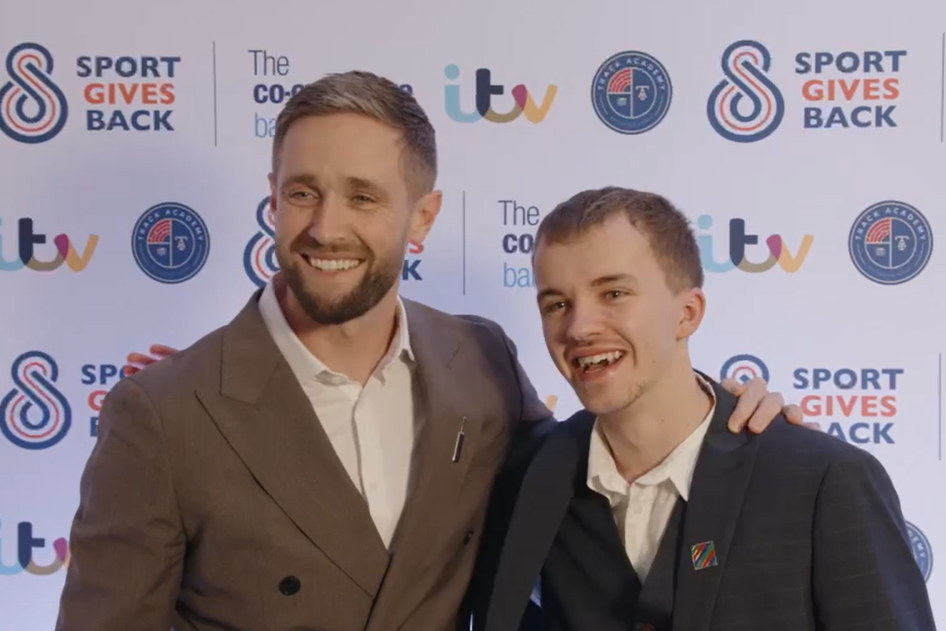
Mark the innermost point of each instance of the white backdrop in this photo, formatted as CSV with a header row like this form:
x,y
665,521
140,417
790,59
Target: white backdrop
x,y
639,94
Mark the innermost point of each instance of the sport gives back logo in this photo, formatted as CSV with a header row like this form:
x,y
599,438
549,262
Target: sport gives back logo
x,y
35,414
32,107
859,405
838,90
746,106
259,256
130,93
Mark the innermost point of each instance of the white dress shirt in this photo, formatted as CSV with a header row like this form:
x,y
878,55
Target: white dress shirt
x,y
642,510
371,427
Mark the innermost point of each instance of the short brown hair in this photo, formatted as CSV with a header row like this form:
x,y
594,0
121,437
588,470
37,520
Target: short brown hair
x,y
667,229
361,92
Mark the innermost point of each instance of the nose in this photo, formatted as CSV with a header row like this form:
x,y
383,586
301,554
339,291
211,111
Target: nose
x,y
583,322
328,221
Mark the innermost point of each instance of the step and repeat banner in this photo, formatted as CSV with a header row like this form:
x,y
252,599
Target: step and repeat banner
x,y
805,142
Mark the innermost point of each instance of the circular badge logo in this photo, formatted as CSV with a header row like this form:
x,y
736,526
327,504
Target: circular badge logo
x,y
631,92
922,551
890,243
743,368
170,243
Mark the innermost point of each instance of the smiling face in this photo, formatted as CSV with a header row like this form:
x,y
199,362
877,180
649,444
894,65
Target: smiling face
x,y
344,212
612,324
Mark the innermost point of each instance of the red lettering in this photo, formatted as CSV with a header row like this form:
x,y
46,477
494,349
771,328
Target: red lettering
x,y
167,93
93,93
851,89
892,87
129,93
847,406
810,90
95,399
149,93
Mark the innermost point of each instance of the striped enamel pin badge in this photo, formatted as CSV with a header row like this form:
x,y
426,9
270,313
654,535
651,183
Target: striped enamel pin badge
x,y
703,555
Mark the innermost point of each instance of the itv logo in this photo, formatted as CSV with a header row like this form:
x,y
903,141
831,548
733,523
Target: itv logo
x,y
485,90
778,250
26,255
26,545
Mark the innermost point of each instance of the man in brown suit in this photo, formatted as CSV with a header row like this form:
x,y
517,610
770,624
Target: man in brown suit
x,y
268,477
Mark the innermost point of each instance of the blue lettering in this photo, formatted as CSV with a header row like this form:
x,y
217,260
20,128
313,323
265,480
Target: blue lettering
x,y
517,277
863,116
863,433
101,374
409,270
139,120
127,67
264,127
813,118
523,243
274,93
847,62
846,378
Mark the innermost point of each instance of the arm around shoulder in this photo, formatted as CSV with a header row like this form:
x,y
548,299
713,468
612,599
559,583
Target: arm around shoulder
x,y
127,541
864,574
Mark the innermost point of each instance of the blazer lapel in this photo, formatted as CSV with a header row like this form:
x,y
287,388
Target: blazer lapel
x,y
720,481
543,498
448,404
268,420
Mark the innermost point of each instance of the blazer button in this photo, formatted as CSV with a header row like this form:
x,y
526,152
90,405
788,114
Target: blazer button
x,y
289,585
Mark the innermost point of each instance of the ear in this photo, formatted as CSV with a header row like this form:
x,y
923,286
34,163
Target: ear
x,y
425,213
692,307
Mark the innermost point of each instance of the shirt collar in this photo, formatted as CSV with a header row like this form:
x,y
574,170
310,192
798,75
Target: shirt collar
x,y
604,478
305,365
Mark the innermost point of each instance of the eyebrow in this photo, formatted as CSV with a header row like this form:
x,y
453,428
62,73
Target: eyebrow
x,y
301,178
352,182
601,280
366,185
614,278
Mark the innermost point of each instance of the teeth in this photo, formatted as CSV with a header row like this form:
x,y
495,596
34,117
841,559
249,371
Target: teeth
x,y
333,265
605,358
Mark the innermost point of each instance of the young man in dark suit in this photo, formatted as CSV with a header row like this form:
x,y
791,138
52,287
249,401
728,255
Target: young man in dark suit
x,y
642,511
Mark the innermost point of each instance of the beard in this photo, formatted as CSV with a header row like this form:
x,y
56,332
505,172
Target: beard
x,y
379,277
